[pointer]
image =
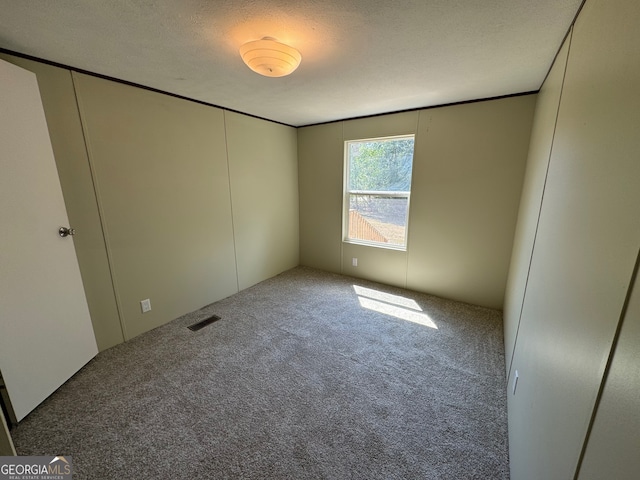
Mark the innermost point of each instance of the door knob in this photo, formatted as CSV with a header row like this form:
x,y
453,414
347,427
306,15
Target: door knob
x,y
64,231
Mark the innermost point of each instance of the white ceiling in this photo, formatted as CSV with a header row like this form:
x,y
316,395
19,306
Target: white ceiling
x,y
359,57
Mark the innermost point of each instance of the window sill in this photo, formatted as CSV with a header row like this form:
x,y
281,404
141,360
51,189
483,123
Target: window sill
x,y
384,246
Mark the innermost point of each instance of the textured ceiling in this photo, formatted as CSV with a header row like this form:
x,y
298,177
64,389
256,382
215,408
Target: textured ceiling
x,y
359,57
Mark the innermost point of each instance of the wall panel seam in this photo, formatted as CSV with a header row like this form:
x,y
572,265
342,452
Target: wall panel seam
x,y
607,368
413,160
544,186
101,216
233,227
344,207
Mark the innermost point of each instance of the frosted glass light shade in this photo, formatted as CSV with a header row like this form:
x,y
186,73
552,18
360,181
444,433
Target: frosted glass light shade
x,y
270,58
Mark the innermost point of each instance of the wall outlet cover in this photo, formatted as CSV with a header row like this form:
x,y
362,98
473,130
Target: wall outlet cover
x,y
145,305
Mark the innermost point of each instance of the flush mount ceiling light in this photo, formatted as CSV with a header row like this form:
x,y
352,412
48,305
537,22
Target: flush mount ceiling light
x,y
270,58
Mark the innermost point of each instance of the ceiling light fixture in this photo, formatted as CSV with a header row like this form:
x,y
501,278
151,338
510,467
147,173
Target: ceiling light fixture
x,y
270,58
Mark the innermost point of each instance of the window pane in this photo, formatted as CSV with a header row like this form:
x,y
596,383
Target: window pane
x,y
378,218
381,165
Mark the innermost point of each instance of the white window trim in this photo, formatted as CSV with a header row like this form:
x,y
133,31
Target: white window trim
x,y
346,193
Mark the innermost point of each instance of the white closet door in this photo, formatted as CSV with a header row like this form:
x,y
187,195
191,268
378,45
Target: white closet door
x,y
45,329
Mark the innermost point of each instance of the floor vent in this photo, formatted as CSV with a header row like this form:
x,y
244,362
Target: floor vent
x,y
203,323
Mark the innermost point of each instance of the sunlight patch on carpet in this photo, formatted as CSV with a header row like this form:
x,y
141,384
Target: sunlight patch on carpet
x,y
395,306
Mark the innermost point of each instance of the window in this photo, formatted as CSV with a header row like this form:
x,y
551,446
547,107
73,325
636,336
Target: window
x,y
377,190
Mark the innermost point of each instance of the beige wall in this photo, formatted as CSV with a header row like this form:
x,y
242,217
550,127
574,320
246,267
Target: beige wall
x,y
320,154
65,130
161,177
169,202
584,254
612,448
263,170
468,168
468,172
544,125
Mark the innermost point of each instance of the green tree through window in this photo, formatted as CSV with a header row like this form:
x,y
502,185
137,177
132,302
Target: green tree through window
x,y
381,165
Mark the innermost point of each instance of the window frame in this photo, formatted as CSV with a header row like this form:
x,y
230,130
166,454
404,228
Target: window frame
x,y
346,197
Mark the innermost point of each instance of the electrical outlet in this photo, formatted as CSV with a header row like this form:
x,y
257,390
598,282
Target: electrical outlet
x,y
145,305
515,381
354,261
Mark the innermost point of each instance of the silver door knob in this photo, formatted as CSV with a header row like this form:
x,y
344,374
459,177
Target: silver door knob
x,y
64,231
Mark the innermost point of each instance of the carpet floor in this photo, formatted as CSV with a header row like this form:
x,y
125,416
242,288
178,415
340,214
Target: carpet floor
x,y
308,375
